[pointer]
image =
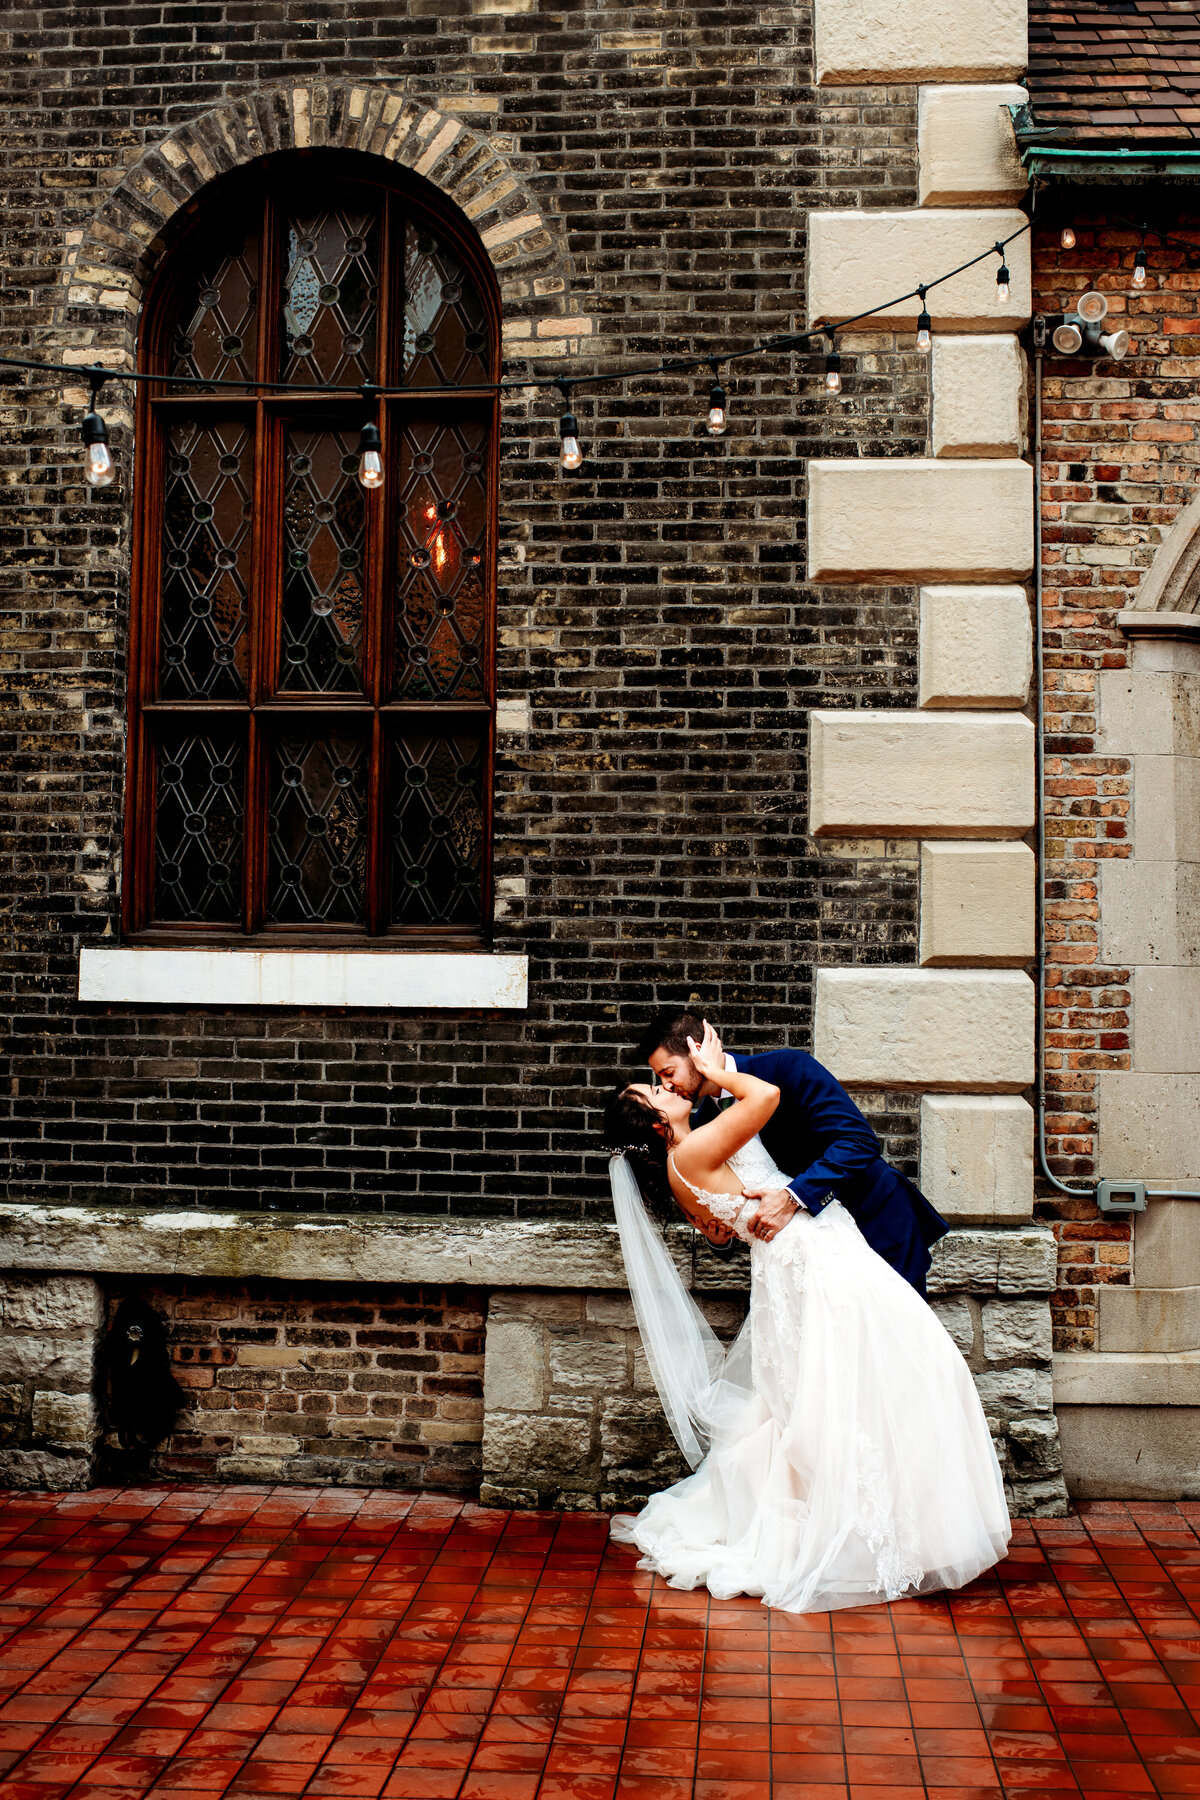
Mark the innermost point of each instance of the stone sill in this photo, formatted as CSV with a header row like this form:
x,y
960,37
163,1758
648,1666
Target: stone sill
x,y
468,980
479,1252
1127,1378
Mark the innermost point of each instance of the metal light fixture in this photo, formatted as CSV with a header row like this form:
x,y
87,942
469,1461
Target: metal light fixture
x,y
370,458
1079,331
370,447
833,372
717,419
569,453
98,467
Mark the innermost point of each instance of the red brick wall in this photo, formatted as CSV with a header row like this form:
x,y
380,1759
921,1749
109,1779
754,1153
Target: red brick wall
x,y
350,1384
1121,448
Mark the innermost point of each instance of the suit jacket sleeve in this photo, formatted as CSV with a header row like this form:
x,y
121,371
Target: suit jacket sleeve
x,y
847,1145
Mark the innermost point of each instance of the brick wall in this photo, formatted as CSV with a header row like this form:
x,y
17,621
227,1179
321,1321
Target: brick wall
x,y
367,1386
651,827
1122,444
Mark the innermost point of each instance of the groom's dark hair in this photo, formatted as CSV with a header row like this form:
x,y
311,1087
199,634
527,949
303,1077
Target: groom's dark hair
x,y
670,1031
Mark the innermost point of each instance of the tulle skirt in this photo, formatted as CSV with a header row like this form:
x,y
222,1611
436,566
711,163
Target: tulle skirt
x,y
849,1461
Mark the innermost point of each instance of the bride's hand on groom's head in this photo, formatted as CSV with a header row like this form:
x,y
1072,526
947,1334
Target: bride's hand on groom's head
x,y
708,1055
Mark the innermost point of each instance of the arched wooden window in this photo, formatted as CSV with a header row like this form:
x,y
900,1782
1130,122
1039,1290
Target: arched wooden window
x,y
311,688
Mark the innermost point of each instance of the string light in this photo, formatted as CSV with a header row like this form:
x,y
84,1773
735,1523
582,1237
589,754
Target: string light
x,y
570,455
370,459
1139,269
716,422
1066,238
370,446
1002,280
98,467
1002,277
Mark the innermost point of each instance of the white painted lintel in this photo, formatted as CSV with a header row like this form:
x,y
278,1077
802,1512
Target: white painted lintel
x,y
370,978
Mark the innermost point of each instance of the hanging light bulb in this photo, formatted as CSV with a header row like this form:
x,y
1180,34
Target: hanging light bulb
x,y
1066,238
1139,269
924,331
98,466
833,372
569,453
1002,281
370,458
717,420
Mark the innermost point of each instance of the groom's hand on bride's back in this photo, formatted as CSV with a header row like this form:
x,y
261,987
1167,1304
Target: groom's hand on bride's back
x,y
777,1208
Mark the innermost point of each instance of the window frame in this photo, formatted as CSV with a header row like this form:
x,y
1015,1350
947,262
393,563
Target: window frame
x,y
262,711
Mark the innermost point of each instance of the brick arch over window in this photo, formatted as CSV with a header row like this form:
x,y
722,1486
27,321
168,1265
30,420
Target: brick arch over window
x,y
108,270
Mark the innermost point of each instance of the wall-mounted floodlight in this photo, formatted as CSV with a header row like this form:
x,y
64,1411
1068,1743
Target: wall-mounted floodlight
x,y
1078,333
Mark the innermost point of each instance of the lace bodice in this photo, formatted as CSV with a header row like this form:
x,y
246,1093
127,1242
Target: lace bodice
x,y
754,1169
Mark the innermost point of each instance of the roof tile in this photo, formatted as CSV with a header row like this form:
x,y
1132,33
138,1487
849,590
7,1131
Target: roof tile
x,y
1085,54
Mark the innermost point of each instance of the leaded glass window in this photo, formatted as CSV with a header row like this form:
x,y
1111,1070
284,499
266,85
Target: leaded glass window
x,y
312,686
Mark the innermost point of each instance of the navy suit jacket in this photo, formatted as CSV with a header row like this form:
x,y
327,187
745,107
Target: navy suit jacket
x,y
817,1130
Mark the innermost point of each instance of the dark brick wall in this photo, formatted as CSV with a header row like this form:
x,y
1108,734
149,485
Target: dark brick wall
x,y
653,611
368,1386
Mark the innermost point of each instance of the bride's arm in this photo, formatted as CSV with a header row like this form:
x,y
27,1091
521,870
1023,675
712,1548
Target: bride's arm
x,y
713,1144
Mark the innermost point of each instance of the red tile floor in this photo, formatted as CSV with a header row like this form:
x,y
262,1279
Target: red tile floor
x,y
200,1642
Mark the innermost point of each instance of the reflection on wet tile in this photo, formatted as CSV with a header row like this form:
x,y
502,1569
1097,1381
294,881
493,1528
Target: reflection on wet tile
x,y
252,1642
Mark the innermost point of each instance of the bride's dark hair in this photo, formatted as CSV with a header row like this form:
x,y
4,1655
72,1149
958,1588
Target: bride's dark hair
x,y
631,1125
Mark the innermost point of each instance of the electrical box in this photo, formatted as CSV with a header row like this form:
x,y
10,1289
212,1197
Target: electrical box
x,y
1121,1196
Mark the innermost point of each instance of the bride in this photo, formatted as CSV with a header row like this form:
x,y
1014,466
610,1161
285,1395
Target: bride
x,y
843,1454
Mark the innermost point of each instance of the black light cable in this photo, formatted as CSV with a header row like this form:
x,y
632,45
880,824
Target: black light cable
x,y
100,470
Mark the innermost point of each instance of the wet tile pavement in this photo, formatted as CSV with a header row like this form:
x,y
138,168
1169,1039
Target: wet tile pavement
x,y
205,1642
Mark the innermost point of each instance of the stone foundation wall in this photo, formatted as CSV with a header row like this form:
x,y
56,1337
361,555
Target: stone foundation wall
x,y
572,1416
354,1385
49,1332
508,1361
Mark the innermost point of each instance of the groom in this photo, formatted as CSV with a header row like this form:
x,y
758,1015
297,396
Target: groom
x,y
818,1130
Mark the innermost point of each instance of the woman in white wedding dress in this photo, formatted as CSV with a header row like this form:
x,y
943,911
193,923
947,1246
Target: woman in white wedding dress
x,y
843,1453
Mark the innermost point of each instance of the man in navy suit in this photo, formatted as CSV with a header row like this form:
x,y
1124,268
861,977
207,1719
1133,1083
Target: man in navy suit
x,y
817,1130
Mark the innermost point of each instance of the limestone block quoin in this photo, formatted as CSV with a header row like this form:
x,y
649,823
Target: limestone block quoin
x,y
977,904
926,1028
966,146
1150,1127
49,1330
861,259
884,519
975,647
949,40
977,1157
914,774
978,396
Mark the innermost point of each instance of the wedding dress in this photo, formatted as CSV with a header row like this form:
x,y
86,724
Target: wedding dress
x,y
848,1460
